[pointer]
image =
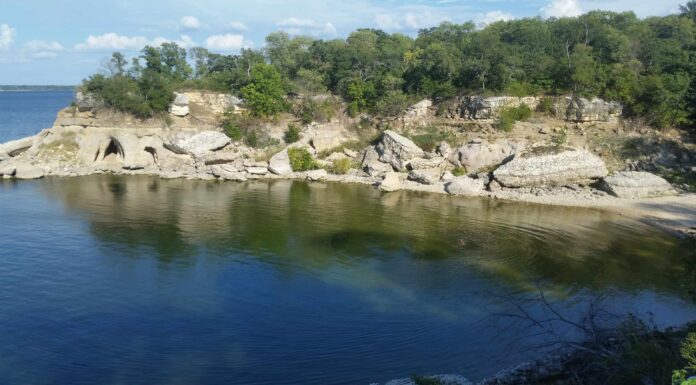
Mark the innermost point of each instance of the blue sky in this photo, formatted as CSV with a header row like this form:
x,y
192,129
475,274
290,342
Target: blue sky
x,y
61,42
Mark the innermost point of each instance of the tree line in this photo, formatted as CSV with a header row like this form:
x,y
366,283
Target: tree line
x,y
647,64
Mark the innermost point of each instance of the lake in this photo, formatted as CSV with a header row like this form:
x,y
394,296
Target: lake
x,y
135,280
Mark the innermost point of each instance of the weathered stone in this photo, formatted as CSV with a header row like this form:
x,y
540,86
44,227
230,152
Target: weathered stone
x,y
16,147
257,170
479,155
7,169
255,163
444,149
198,144
425,176
219,157
27,171
350,153
463,185
85,101
325,143
180,105
423,163
551,166
480,107
494,186
397,150
228,172
575,109
371,163
391,182
636,184
336,156
316,175
417,113
279,163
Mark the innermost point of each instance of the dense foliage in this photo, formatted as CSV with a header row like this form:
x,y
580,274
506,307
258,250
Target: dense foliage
x,y
648,64
301,159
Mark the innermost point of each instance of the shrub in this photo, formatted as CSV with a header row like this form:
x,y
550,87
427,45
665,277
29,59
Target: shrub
x,y
265,94
245,128
292,134
341,166
459,171
508,116
320,111
301,159
392,104
545,106
432,138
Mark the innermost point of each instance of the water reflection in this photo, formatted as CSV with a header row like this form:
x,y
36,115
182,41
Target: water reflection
x,y
299,227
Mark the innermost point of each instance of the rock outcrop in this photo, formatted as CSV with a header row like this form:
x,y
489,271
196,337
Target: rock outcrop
x,y
465,186
371,163
636,184
481,108
228,172
551,166
479,155
197,144
397,150
582,110
16,147
180,105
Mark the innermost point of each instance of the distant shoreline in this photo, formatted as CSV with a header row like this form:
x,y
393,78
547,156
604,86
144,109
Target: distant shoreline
x,y
8,88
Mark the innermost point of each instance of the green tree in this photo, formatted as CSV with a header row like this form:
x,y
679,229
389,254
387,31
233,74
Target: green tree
x,y
265,93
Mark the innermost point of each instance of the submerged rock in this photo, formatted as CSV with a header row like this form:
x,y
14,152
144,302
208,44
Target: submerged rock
x,y
551,166
397,150
637,184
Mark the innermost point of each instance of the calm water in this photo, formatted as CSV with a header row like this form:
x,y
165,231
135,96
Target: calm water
x,y
134,280
26,113
113,280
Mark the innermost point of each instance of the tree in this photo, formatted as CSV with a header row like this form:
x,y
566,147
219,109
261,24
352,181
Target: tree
x,y
689,10
117,64
265,93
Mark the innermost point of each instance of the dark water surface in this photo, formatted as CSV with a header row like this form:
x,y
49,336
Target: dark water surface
x,y
26,113
135,280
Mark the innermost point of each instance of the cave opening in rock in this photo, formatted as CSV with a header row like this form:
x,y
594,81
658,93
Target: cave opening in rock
x,y
114,147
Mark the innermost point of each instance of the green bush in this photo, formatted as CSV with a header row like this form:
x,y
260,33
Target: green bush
x,y
508,116
320,111
292,134
341,166
459,171
301,159
246,128
432,138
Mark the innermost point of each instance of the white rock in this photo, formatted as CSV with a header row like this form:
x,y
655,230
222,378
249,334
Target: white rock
x,y
280,163
27,171
316,175
16,147
325,143
180,106
257,170
371,163
425,176
463,185
423,163
350,153
637,184
482,154
391,182
397,150
198,144
228,172
551,166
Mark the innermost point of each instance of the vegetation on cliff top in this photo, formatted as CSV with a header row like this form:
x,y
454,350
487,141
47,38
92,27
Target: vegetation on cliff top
x,y
647,64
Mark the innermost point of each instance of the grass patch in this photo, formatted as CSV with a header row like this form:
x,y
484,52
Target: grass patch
x,y
459,171
432,138
508,116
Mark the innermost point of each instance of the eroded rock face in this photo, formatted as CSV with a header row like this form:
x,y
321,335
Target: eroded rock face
x,y
551,166
397,150
636,184
391,182
16,147
279,163
481,108
423,163
84,101
465,186
479,155
582,110
180,105
198,144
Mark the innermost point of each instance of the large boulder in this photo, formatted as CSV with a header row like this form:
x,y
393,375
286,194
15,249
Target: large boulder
x,y
391,182
180,105
228,172
280,163
551,166
21,170
465,186
325,143
417,112
397,150
16,147
426,175
479,155
371,163
636,184
426,162
198,144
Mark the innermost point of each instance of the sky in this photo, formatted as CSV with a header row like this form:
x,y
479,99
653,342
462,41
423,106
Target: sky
x,y
62,42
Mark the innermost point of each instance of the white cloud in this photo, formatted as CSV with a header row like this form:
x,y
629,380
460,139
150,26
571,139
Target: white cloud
x,y
236,26
425,19
112,41
40,49
484,19
561,8
189,23
297,26
6,36
388,22
184,41
226,42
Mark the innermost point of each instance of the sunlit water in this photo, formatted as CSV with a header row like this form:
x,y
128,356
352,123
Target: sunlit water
x,y
135,280
26,113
